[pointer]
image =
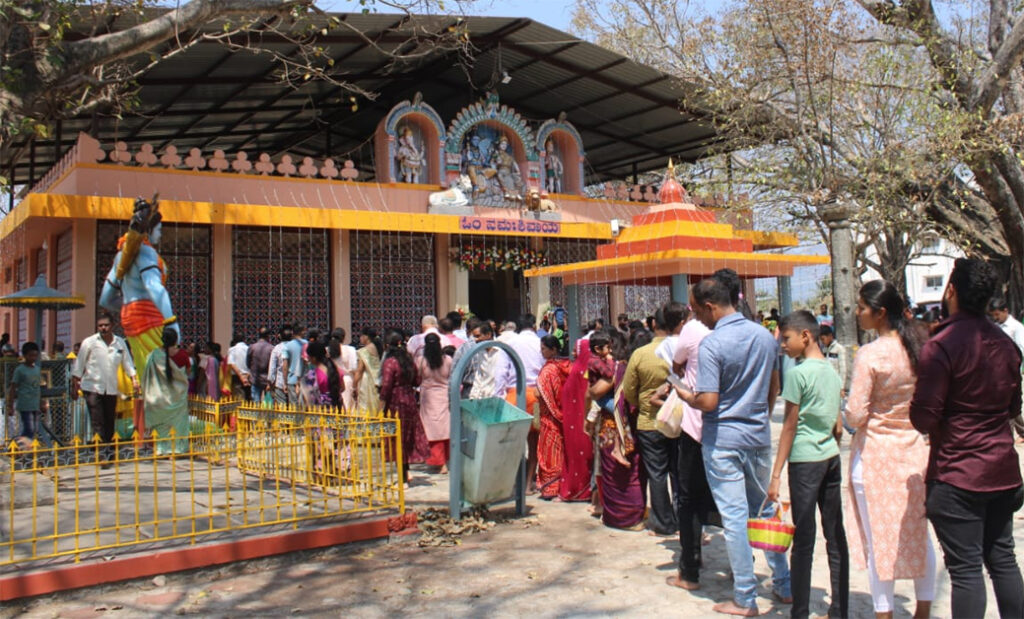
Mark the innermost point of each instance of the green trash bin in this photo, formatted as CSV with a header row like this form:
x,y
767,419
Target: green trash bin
x,y
493,443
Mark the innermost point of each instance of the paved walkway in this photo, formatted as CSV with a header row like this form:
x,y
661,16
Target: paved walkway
x,y
558,561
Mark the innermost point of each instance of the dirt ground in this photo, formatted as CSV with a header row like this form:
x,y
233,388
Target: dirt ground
x,y
558,561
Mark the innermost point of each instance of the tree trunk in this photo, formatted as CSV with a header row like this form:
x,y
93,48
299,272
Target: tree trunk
x,y
844,284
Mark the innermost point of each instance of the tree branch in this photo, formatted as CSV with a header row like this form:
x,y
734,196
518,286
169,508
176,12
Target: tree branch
x,y
989,84
918,16
87,53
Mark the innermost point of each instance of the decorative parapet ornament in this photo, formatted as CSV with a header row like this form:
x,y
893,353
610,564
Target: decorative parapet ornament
x,y
494,146
560,151
410,144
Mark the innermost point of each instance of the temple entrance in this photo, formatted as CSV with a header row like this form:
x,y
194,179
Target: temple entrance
x,y
496,295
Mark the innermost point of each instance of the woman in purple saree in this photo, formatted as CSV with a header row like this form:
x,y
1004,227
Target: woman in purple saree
x,y
623,502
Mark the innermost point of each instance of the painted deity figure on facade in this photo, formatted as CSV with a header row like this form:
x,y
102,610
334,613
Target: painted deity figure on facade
x,y
410,156
135,285
507,171
476,164
554,170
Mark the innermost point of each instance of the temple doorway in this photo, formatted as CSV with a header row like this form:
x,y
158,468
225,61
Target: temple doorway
x,y
496,295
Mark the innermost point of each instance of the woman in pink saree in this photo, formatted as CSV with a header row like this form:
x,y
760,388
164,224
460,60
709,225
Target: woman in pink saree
x,y
579,449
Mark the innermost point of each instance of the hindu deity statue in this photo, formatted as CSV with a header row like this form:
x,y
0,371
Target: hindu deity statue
x,y
135,285
507,170
475,164
410,157
553,168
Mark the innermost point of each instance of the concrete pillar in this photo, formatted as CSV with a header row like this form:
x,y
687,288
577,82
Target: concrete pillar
x,y
34,316
83,278
750,294
540,292
442,265
785,294
539,287
458,287
617,302
341,275
221,284
681,288
572,318
844,280
51,280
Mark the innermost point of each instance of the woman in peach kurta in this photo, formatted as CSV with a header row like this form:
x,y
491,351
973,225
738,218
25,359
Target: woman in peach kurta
x,y
888,457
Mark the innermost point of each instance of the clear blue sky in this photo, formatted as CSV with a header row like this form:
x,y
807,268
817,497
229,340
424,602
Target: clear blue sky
x,y
554,13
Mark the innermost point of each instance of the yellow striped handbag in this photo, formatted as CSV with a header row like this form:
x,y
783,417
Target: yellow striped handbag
x,y
771,534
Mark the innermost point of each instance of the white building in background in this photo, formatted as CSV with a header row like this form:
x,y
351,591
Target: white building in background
x,y
928,274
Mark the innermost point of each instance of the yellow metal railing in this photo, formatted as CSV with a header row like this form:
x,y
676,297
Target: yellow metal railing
x,y
280,467
218,413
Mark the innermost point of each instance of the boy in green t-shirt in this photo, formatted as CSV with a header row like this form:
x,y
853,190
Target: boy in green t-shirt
x,y
810,443
26,384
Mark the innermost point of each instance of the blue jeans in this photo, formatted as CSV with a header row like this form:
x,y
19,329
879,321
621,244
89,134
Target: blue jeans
x,y
739,481
29,424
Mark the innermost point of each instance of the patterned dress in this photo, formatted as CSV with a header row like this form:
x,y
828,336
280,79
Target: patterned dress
x,y
551,442
894,457
398,395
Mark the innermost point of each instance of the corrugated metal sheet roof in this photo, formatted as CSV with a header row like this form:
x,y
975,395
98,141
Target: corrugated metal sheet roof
x,y
208,95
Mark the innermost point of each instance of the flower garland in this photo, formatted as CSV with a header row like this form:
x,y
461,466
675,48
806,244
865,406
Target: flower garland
x,y
481,258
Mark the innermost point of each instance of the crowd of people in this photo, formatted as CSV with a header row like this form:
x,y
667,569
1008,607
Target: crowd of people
x,y
664,425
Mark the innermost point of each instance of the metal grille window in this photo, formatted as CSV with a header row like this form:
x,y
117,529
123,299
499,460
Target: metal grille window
x,y
393,282
280,275
593,300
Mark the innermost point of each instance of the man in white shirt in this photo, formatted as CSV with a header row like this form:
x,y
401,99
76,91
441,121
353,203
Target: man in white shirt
x,y
673,314
95,373
427,325
277,379
835,353
526,343
585,339
999,312
239,366
496,374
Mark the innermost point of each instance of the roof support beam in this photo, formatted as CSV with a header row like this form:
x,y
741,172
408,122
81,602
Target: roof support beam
x,y
391,95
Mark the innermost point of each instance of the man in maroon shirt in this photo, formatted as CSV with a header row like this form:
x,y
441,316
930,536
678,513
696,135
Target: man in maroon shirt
x,y
968,390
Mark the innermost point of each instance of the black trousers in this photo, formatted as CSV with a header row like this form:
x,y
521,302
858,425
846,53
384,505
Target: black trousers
x,y
659,454
102,413
818,485
976,528
695,506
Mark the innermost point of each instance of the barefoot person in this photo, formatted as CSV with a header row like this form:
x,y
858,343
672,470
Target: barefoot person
x,y
737,383
694,505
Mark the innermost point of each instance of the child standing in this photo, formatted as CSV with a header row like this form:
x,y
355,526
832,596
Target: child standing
x,y
810,443
26,382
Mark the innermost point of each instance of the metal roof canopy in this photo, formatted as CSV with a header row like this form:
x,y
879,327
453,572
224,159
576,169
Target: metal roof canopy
x,y
210,97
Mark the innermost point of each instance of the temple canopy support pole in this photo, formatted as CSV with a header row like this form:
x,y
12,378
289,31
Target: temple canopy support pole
x,y
681,288
785,294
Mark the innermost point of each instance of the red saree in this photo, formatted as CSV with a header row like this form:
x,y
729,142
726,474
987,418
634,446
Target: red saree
x,y
579,449
551,443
